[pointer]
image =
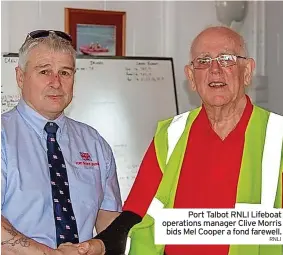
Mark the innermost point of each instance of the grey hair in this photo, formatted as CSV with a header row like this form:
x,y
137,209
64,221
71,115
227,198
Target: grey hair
x,y
53,42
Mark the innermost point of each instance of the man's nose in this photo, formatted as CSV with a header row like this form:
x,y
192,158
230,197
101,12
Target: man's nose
x,y
55,81
215,67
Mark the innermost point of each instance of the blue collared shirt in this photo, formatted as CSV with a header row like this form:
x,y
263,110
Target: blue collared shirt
x,y
26,189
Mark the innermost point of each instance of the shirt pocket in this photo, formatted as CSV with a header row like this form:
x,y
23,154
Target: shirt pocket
x,y
87,186
90,175
86,175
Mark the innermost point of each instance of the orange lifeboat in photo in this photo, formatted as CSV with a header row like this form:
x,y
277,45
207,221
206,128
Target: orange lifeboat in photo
x,y
93,49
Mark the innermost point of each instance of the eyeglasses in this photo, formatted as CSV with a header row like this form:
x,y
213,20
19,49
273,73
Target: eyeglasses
x,y
224,60
45,33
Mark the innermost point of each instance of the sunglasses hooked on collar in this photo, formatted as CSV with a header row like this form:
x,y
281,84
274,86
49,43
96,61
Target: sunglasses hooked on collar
x,y
45,33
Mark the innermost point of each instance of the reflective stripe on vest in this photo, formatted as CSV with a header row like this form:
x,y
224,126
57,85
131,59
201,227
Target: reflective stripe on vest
x,y
154,207
270,161
128,246
175,131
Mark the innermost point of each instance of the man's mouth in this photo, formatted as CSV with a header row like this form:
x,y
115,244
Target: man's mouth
x,y
55,97
217,84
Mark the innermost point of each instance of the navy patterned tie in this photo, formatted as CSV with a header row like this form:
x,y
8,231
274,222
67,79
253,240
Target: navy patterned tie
x,y
65,221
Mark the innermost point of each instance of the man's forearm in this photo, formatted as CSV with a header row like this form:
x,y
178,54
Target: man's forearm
x,y
15,243
104,219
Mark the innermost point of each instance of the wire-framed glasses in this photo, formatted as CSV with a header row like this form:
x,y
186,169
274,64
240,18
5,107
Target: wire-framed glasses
x,y
224,60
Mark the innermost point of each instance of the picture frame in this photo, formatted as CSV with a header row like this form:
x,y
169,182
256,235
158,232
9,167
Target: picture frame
x,y
96,32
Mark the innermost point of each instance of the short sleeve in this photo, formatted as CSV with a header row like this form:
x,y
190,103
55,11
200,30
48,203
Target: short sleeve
x,y
112,196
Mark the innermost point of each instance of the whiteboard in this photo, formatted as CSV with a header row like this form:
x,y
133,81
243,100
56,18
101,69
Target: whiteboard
x,y
121,97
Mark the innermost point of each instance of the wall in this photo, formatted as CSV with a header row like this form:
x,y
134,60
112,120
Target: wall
x,y
153,28
5,18
185,19
274,54
190,19
23,16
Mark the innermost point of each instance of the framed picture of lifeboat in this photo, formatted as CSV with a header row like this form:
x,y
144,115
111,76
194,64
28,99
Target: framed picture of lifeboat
x,y
96,32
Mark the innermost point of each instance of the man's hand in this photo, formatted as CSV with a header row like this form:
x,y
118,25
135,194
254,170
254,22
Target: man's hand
x,y
91,247
66,249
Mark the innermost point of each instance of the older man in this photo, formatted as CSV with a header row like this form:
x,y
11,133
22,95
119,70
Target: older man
x,y
226,153
58,175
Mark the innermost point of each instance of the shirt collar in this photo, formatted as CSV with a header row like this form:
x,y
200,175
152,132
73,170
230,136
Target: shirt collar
x,y
37,121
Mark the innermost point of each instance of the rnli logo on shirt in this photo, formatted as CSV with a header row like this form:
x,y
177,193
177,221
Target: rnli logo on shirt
x,y
85,156
86,160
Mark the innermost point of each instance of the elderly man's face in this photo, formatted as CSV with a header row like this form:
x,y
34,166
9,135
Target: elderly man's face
x,y
217,85
47,82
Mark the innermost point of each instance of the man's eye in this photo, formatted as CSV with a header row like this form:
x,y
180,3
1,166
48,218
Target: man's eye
x,y
65,73
226,57
43,72
203,60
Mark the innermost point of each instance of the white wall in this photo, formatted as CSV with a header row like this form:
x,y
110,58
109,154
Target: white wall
x,y
153,28
274,54
191,18
23,16
185,20
5,18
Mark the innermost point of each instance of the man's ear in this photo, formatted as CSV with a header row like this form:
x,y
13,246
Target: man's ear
x,y
248,72
190,76
20,77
